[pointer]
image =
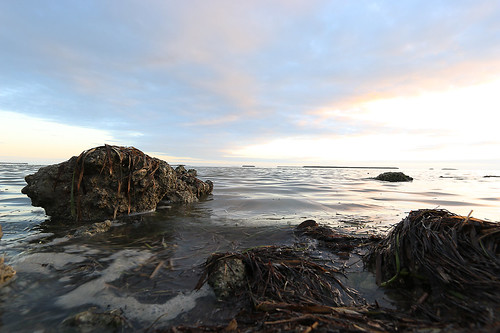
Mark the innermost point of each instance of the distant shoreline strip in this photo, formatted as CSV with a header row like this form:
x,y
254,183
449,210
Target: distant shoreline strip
x,y
23,163
347,167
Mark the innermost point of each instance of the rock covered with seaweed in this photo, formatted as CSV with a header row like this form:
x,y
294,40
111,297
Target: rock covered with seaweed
x,y
446,265
110,181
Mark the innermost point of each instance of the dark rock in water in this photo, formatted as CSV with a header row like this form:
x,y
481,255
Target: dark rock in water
x,y
307,224
394,177
188,188
110,181
332,239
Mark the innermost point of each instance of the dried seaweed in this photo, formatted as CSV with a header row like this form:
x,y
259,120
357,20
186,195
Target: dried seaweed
x,y
454,259
285,274
289,291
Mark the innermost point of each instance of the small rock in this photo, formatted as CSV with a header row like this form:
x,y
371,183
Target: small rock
x,y
394,177
307,224
227,276
7,273
93,229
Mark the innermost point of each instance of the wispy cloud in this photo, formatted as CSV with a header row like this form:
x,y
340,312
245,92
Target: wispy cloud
x,y
215,78
450,124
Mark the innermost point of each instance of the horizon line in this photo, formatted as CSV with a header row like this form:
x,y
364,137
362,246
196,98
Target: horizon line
x,y
348,167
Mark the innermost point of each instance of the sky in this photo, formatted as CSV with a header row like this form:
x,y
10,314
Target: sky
x,y
267,83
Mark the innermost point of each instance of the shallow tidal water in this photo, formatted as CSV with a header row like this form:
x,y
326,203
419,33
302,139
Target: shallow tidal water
x,y
147,265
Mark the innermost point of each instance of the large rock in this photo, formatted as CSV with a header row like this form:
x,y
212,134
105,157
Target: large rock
x,y
110,181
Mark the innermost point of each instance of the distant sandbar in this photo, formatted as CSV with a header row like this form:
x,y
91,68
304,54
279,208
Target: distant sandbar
x,y
347,167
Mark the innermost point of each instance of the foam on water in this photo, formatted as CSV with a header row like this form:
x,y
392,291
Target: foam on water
x,y
97,292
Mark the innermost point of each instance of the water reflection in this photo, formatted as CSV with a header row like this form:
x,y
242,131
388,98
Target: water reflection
x,y
147,265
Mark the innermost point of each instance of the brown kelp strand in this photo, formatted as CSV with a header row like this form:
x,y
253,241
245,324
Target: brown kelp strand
x,y
454,261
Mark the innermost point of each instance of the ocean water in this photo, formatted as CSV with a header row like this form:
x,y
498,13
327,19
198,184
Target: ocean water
x,y
147,266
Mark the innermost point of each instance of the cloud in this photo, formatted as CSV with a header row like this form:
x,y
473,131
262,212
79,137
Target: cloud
x,y
451,110
175,159
219,76
456,123
215,121
25,138
367,148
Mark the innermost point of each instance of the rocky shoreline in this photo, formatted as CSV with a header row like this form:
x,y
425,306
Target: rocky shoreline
x,y
441,269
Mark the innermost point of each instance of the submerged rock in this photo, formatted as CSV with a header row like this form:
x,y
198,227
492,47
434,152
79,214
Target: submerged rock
x,y
93,229
394,177
307,224
91,321
110,181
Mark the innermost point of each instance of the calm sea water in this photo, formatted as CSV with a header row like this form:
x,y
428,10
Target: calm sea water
x,y
59,275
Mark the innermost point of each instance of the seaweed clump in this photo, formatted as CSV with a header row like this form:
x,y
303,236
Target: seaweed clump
x,y
274,274
282,288
450,265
